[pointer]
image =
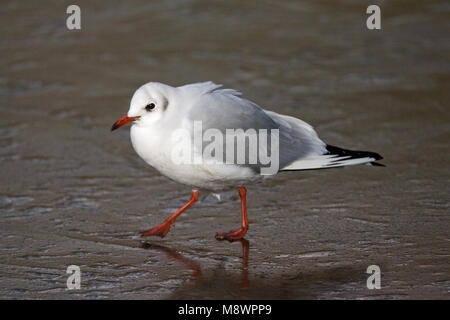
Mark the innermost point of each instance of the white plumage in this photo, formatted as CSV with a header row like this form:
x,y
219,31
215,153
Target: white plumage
x,y
300,148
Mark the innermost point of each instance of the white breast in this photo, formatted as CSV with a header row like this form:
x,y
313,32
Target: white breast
x,y
156,149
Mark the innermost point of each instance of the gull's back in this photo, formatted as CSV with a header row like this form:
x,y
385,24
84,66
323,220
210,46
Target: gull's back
x,y
223,109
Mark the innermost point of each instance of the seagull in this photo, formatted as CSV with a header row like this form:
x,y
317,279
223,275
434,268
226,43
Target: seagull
x,y
165,122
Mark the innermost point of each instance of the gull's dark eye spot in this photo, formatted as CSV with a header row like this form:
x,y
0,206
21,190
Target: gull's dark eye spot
x,y
150,106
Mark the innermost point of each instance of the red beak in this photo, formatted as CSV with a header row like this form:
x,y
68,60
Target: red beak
x,y
122,121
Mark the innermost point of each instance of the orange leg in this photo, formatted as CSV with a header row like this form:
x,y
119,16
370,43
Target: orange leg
x,y
163,229
238,233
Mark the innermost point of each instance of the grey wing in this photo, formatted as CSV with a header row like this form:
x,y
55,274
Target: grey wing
x,y
298,145
298,139
226,109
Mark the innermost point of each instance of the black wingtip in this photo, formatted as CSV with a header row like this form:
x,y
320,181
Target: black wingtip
x,y
353,154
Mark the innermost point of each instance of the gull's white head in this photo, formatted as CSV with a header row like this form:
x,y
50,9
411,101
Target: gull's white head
x,y
148,105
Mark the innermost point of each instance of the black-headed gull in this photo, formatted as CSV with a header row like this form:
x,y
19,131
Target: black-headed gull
x,y
215,139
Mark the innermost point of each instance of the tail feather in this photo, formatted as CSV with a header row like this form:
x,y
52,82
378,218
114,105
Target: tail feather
x,y
335,157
